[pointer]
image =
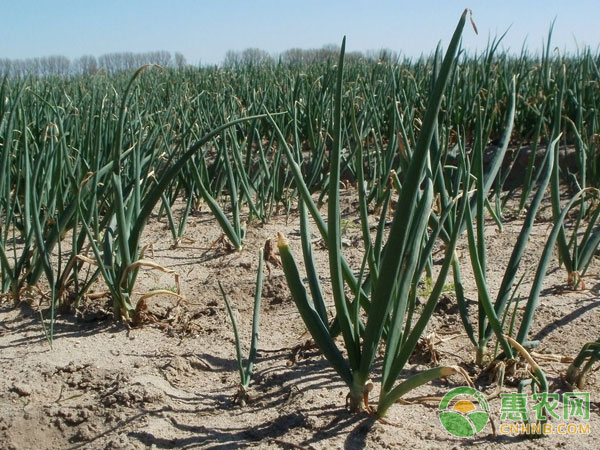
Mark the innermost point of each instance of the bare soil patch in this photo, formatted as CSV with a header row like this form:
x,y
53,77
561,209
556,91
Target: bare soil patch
x,y
170,383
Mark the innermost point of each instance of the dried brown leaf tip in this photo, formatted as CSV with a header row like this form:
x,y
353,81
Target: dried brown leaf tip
x,y
269,253
473,22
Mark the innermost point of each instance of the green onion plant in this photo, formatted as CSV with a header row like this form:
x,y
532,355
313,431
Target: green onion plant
x,y
246,368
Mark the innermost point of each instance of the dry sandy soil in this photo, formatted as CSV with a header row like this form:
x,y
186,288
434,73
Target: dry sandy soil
x,y
170,384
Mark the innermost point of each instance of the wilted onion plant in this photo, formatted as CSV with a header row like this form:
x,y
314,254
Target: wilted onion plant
x,y
402,261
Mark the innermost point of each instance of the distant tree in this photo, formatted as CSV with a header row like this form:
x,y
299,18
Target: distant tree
x,y
256,57
327,52
85,65
127,61
18,68
294,56
232,59
56,65
5,67
108,62
180,61
383,55
248,57
162,58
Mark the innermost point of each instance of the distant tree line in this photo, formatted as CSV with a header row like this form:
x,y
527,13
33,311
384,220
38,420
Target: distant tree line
x,y
88,64
300,56
111,63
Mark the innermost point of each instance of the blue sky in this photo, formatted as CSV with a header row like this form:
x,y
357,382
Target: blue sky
x,y
204,30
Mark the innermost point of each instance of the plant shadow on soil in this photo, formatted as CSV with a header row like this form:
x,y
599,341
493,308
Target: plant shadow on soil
x,y
171,386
